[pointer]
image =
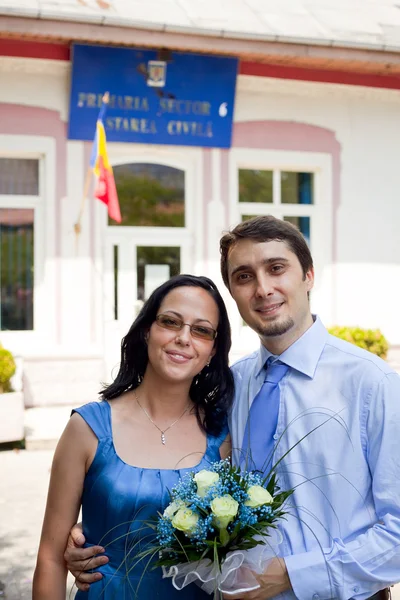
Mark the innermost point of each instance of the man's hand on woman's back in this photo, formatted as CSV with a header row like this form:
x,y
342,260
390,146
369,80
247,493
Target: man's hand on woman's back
x,y
79,559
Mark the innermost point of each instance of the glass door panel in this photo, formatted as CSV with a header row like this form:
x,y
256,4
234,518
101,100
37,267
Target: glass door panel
x,y
155,265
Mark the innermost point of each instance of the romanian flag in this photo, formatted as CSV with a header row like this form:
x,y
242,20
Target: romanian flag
x,y
105,189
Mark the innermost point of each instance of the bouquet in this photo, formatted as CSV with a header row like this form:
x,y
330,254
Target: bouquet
x,y
220,529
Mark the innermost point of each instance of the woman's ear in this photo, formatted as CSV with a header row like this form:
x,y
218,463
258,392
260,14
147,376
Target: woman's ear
x,y
211,356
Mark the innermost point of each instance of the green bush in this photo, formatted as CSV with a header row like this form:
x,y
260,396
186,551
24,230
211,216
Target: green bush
x,y
370,339
7,370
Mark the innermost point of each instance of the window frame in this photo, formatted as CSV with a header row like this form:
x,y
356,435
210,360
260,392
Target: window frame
x,y
189,237
320,213
118,156
44,321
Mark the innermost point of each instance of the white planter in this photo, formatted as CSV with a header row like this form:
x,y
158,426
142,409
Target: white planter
x,y
11,417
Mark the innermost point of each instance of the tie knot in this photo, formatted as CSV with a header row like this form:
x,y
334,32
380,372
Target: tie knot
x,y
276,370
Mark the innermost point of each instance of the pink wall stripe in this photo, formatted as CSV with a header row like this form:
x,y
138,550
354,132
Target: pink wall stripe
x,y
28,120
207,194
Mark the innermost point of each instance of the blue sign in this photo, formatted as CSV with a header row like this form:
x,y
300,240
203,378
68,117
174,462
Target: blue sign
x,y
187,99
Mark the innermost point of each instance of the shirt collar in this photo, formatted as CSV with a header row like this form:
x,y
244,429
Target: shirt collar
x,y
303,355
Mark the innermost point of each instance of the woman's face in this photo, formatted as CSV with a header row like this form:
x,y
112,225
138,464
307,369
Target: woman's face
x,y
178,355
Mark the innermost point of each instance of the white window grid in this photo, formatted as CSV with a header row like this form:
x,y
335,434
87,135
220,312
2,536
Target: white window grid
x,y
320,212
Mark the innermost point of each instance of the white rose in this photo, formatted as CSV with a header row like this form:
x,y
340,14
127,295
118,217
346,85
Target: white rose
x,y
204,480
224,509
173,508
185,520
258,496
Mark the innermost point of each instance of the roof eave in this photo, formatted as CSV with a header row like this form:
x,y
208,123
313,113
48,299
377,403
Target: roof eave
x,y
126,23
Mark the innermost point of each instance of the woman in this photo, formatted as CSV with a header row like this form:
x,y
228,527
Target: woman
x,y
164,415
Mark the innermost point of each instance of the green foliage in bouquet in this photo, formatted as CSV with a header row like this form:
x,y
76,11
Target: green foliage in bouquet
x,y
7,370
218,511
370,339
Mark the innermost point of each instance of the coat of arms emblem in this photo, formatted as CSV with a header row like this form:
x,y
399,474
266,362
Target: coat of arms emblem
x,y
156,73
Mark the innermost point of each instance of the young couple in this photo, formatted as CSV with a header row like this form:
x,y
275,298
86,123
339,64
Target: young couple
x,y
166,414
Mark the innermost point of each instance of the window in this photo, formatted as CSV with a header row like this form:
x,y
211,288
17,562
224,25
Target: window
x,y
288,195
19,195
255,186
150,195
19,177
16,268
155,264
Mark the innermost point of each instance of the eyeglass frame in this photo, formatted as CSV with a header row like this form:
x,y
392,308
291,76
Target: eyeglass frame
x,y
215,332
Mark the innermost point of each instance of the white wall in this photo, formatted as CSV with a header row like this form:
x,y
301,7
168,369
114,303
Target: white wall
x,y
366,123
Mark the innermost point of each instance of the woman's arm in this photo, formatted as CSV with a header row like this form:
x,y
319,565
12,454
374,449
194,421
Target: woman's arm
x,y
75,449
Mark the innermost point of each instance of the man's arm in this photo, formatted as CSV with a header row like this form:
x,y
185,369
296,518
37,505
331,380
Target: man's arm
x,y
371,561
79,559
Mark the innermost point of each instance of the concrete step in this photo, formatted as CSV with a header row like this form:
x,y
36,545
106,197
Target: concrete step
x,y
44,426
58,381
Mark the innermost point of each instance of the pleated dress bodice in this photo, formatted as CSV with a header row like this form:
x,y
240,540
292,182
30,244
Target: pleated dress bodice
x,y
117,503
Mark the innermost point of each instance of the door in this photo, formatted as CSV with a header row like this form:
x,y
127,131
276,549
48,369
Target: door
x,y
151,245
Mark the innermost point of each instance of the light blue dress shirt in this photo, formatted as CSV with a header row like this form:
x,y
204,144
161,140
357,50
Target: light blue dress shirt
x,y
342,537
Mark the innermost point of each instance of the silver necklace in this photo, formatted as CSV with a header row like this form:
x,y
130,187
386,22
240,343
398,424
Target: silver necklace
x,y
162,431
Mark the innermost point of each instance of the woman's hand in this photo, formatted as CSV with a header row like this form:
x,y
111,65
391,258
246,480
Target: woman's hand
x,y
79,560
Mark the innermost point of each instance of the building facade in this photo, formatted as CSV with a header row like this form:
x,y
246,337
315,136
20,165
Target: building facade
x,y
317,148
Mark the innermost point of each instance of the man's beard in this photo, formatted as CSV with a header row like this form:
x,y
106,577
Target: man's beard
x,y
275,329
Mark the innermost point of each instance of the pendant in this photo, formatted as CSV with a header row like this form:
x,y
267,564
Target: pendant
x,y
163,438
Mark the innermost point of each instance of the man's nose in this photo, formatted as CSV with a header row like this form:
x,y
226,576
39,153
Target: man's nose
x,y
264,286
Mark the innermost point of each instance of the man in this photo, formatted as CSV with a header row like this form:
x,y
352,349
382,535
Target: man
x,y
335,410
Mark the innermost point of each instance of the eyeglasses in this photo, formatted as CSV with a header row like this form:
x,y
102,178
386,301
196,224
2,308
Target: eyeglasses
x,y
176,324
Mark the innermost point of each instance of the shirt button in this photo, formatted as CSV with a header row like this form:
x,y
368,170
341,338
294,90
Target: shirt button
x,y
315,596
275,438
356,589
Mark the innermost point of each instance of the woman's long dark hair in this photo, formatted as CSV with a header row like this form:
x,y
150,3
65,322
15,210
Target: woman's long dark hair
x,y
212,389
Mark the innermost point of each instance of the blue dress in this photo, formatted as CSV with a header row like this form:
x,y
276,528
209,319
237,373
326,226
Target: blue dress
x,y
117,499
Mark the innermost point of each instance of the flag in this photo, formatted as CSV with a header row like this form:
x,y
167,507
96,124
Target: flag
x,y
105,189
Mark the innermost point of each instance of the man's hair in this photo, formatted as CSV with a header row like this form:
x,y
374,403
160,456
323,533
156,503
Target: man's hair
x,y
265,229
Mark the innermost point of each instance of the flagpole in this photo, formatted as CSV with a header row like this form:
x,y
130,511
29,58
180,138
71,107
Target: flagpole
x,y
88,180
89,173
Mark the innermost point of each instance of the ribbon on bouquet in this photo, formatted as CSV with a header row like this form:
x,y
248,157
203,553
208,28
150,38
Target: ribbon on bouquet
x,y
237,573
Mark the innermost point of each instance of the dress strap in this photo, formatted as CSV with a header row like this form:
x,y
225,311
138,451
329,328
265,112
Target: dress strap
x,y
98,416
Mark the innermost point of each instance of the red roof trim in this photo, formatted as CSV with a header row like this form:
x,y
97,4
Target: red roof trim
x,y
57,51
320,75
27,49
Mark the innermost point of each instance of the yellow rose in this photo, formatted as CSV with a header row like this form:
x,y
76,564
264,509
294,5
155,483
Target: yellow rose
x,y
224,509
204,480
173,508
185,520
258,496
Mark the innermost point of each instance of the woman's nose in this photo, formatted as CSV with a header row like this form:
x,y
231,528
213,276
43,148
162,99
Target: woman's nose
x,y
184,334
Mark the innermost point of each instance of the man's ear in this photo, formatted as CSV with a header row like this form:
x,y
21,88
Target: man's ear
x,y
309,278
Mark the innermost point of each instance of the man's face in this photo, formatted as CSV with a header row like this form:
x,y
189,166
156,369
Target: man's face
x,y
267,282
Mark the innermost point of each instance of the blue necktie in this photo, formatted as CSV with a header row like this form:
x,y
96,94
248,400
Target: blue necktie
x,y
258,440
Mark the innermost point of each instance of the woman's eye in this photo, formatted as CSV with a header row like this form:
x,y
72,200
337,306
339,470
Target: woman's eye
x,y
171,322
201,330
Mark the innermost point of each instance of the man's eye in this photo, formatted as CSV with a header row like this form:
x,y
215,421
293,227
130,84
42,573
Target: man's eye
x,y
277,268
243,277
